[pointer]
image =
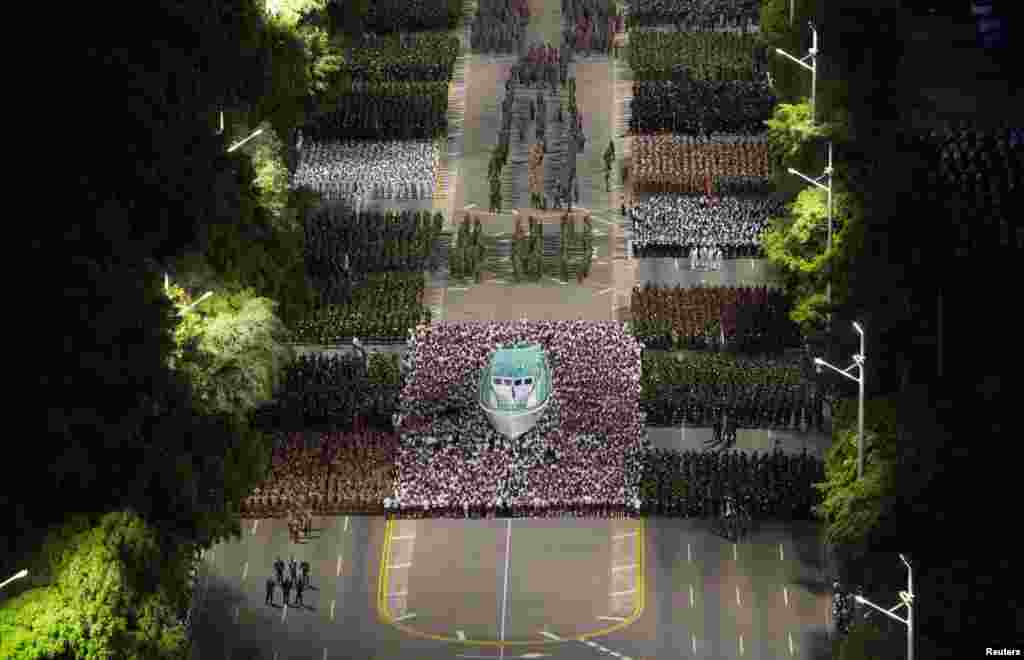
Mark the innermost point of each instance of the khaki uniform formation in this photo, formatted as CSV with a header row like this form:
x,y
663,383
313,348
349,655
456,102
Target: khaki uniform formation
x,y
344,473
675,163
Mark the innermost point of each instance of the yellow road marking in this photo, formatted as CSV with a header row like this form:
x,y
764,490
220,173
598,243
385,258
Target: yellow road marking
x,y
385,615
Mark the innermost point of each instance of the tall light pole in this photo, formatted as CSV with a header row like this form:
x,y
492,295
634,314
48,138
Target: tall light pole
x,y
906,599
17,576
812,54
828,189
858,363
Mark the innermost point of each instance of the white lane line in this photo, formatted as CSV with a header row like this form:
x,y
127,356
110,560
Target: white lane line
x,y
338,573
284,612
785,595
405,565
614,654
461,635
623,593
255,524
694,638
611,618
741,644
325,653
590,643
245,571
410,615
504,594
275,655
689,557
624,567
624,536
790,635
691,595
403,538
737,596
332,610
734,556
782,557
237,612
602,292
346,523
550,635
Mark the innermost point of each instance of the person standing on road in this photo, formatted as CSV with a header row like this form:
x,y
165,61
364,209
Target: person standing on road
x,y
298,592
279,569
293,569
304,569
286,587
270,590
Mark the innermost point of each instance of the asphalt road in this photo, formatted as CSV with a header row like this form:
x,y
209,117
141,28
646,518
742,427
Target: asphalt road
x,y
767,590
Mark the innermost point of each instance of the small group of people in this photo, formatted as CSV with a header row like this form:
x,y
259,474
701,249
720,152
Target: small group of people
x,y
297,577
539,66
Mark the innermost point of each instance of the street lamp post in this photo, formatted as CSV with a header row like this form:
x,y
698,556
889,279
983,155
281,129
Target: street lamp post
x,y
17,576
828,189
812,54
907,600
858,362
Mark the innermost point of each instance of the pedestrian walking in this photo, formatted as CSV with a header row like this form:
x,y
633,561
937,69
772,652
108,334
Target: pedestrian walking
x,y
279,569
270,590
304,569
293,568
299,587
286,587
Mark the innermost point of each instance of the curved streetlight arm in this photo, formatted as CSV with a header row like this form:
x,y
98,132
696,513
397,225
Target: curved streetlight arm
x,y
813,182
17,576
888,613
845,372
799,61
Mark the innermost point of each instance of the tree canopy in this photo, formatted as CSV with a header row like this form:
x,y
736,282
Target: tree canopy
x,y
109,589
852,508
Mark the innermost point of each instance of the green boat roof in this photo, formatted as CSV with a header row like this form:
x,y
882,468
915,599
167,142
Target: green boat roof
x,y
518,362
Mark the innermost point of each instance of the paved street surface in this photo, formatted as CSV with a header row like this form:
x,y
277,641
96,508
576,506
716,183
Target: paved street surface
x,y
702,596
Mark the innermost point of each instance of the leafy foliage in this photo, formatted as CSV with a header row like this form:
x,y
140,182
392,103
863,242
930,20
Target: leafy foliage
x,y
114,591
232,346
852,507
